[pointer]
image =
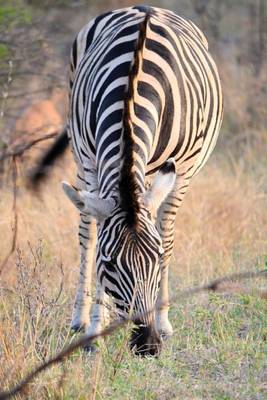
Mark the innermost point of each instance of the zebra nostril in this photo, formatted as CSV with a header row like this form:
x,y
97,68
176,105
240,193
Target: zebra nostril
x,y
145,341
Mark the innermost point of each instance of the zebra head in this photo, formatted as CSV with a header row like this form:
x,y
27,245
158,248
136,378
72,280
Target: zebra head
x,y
128,257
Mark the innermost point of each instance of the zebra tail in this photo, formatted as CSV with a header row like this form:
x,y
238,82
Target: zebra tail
x,y
41,171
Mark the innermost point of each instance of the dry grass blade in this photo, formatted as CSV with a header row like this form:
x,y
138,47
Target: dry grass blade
x,y
96,376
213,286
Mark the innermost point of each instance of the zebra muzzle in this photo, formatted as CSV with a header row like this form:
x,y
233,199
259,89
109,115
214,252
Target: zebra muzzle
x,y
145,341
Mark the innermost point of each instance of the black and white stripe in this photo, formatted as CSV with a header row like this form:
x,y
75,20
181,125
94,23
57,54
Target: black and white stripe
x,y
145,97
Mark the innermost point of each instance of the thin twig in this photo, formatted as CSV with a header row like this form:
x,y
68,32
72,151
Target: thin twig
x,y
5,92
55,300
33,92
216,284
13,154
15,214
83,341
21,148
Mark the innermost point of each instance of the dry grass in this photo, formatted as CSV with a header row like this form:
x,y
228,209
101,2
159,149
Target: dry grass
x,y
223,224
41,217
217,349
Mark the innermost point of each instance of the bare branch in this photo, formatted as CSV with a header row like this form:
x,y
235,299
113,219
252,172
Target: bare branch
x,y
13,153
217,284
55,300
15,214
35,73
19,149
18,95
5,91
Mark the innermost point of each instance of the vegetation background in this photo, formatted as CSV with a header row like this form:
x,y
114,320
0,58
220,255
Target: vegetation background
x,y
218,350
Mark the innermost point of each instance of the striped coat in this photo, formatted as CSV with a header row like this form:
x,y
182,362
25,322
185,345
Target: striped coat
x,y
145,111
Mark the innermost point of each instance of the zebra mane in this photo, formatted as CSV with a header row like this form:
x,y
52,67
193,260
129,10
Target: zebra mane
x,y
128,186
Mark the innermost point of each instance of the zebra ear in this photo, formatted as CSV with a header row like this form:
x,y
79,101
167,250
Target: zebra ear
x,y
161,186
89,203
74,195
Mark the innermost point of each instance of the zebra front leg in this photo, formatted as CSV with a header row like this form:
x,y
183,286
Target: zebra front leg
x,y
165,225
87,239
163,324
99,316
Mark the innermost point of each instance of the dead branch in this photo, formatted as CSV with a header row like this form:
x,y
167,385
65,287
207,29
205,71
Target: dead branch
x,y
217,284
13,153
15,214
19,149
213,286
17,95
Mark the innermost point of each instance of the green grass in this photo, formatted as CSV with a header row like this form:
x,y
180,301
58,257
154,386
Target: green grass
x,y
218,351
14,12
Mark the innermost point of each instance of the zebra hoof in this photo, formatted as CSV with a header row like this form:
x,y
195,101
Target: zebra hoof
x,y
90,348
164,329
77,328
165,335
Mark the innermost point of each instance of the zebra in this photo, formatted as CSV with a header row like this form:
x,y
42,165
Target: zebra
x,y
145,111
